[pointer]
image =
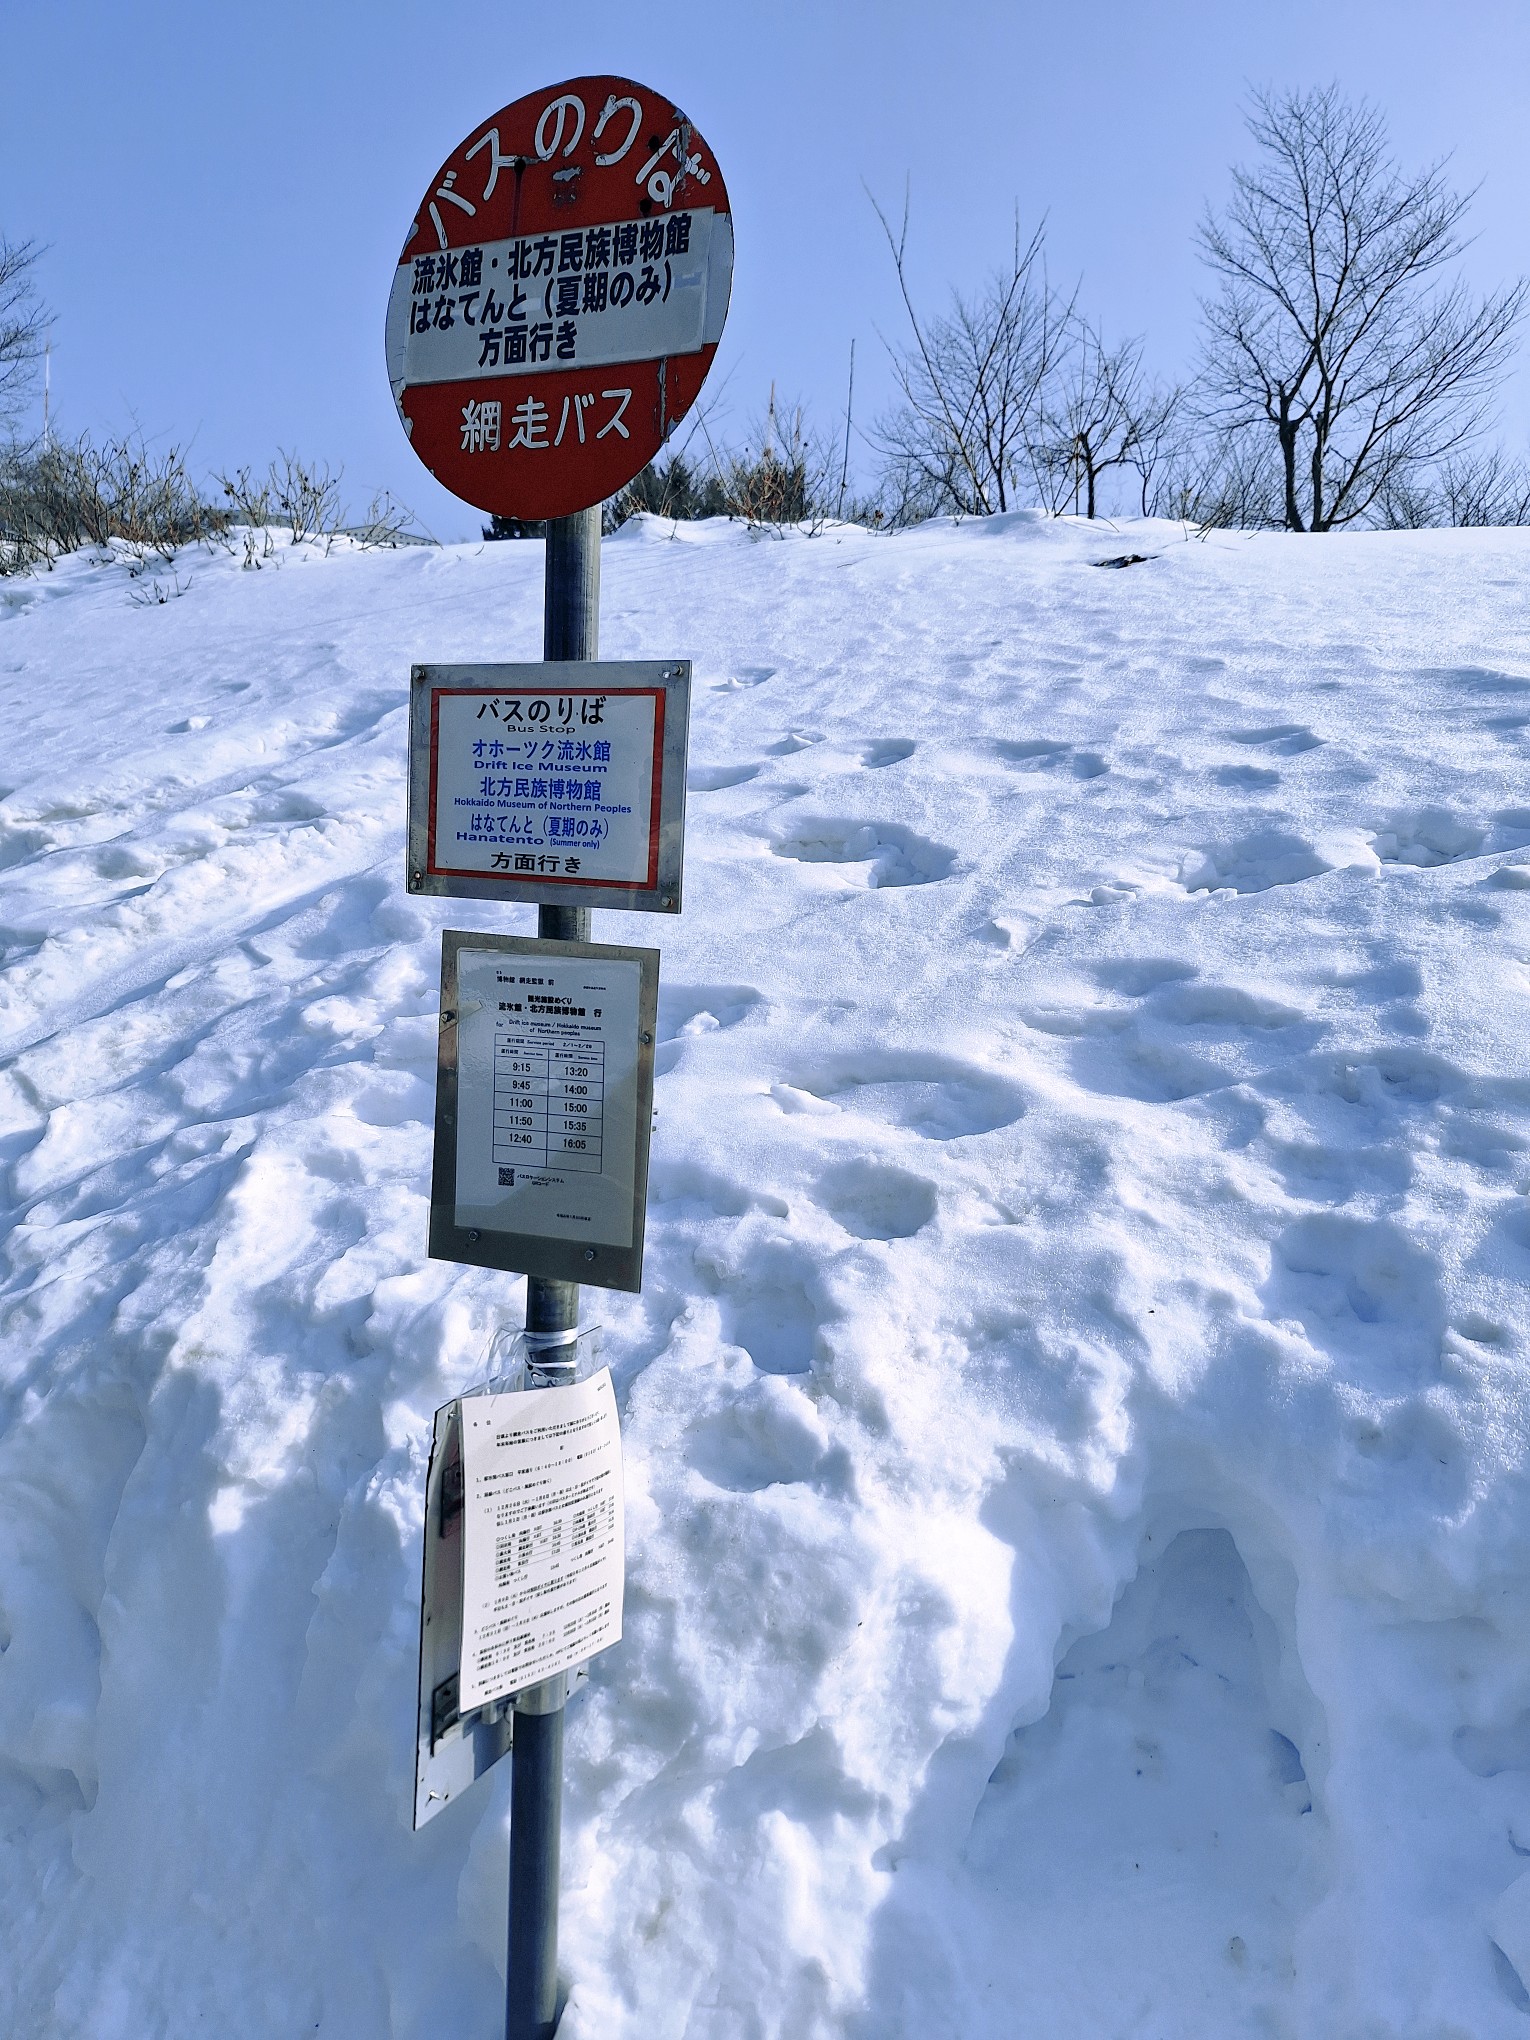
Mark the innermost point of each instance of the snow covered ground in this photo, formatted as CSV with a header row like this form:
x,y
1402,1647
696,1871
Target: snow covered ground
x,y
1076,1417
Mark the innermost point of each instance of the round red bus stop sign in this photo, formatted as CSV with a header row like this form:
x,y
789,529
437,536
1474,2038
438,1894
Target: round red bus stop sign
x,y
560,297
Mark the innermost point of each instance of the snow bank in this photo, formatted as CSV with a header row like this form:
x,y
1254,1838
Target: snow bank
x,y
1076,1414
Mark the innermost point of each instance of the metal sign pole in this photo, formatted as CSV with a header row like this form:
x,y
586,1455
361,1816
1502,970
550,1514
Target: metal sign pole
x,y
571,627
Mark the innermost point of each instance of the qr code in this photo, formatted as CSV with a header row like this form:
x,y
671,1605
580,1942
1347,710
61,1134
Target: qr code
x,y
507,1179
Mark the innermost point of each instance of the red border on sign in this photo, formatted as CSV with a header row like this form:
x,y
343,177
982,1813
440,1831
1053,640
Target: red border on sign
x,y
656,788
549,172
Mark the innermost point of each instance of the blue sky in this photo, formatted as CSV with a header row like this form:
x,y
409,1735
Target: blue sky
x,y
224,189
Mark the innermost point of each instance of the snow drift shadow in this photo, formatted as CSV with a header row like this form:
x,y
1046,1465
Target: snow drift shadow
x,y
1150,1839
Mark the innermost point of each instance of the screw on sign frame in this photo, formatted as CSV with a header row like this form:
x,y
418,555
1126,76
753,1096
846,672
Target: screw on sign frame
x,y
559,298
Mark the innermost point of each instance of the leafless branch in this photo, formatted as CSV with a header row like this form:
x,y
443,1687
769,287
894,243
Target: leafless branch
x,y
22,319
972,385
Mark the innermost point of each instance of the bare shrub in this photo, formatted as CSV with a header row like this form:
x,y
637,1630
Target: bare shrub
x,y
304,497
152,594
786,473
782,475
678,488
248,499
386,522
59,496
146,501
124,497
307,498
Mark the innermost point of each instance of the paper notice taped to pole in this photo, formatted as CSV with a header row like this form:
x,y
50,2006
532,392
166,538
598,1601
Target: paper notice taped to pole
x,y
543,1544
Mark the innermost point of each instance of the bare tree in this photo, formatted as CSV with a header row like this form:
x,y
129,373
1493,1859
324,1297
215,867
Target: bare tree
x,y
971,383
1478,487
21,323
1216,480
1102,413
1334,325
1159,442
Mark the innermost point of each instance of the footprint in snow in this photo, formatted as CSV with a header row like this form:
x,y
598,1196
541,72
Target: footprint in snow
x,y
886,751
1286,739
686,1011
936,1097
891,854
687,1189
1169,989
772,1307
1132,1053
704,1008
124,860
1489,1752
770,1436
1269,858
1477,679
745,676
1367,1296
717,778
1160,1741
19,843
874,1201
1043,755
1230,1009
1151,1073
1138,975
1430,836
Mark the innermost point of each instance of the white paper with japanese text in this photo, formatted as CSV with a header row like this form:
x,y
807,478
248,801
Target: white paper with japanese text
x,y
543,1546
547,1095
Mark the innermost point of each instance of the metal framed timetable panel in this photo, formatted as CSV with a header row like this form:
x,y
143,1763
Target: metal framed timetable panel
x,y
544,1103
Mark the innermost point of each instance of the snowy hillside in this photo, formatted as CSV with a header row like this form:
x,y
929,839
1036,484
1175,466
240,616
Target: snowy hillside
x,y
1076,1417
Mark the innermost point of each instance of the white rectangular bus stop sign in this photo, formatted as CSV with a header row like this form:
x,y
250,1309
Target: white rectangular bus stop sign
x,y
561,783
542,1535
544,1103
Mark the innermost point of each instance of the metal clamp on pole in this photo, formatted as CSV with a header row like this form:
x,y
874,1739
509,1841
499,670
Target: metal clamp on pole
x,y
571,614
